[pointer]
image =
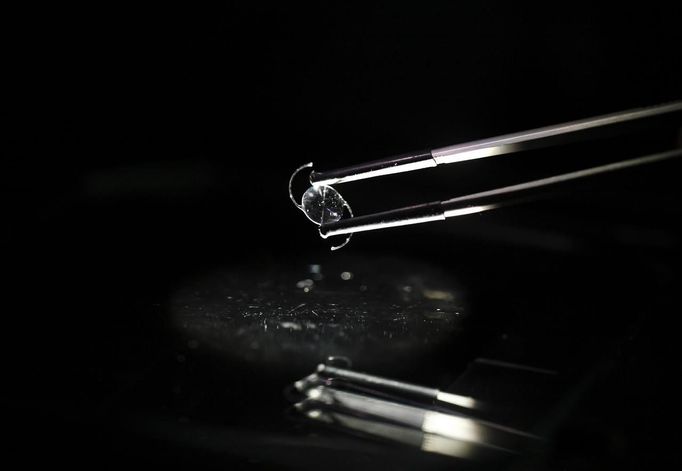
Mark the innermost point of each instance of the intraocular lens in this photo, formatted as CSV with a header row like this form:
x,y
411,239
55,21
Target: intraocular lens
x,y
323,204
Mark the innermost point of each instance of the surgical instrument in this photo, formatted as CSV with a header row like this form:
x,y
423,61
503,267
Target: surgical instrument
x,y
324,205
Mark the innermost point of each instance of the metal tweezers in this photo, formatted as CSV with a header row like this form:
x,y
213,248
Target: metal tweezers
x,y
325,207
433,420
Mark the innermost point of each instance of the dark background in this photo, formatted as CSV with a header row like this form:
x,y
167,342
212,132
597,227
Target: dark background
x,y
142,145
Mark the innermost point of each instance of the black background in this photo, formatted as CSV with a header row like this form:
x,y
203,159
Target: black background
x,y
144,144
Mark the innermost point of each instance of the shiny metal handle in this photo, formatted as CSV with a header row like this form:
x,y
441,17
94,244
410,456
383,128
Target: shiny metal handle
x,y
477,202
377,168
508,143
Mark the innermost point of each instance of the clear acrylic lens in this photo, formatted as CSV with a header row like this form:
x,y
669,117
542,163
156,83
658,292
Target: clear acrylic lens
x,y
322,204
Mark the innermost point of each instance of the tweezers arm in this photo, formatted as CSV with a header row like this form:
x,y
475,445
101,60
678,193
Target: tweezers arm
x,y
397,164
508,143
428,212
478,202
546,136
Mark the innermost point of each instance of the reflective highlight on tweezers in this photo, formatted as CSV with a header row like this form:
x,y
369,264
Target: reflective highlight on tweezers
x,y
477,202
483,148
391,385
409,414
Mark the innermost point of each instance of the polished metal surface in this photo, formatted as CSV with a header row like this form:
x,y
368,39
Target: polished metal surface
x,y
407,415
422,392
477,202
517,141
505,144
374,169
